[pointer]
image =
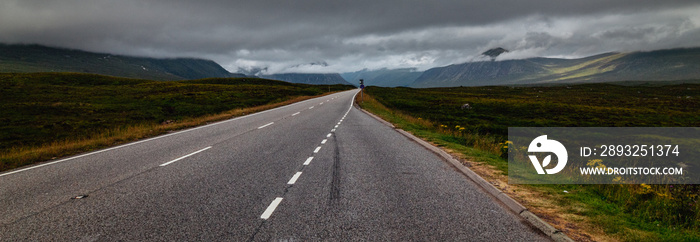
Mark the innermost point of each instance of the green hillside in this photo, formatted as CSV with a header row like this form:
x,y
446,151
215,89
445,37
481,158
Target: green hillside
x,y
36,58
660,65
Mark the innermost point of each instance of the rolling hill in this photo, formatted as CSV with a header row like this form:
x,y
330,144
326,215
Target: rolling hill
x,y
660,65
37,58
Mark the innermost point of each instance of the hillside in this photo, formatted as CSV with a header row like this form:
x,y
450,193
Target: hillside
x,y
36,58
660,65
383,77
308,78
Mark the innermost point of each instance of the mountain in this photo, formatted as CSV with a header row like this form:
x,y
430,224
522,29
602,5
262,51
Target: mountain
x,y
37,58
660,65
383,77
308,78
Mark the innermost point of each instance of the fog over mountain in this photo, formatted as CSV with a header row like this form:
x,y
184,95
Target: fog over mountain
x,y
280,36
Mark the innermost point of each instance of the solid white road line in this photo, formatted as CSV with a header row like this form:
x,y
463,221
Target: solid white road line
x,y
295,114
156,138
317,149
266,125
324,141
191,154
270,209
294,178
308,161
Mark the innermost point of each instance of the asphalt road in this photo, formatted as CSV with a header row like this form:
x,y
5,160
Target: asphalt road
x,y
253,179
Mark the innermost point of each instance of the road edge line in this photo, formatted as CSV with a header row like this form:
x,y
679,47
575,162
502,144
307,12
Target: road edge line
x,y
546,228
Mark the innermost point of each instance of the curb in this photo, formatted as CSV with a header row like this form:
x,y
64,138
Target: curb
x,y
510,203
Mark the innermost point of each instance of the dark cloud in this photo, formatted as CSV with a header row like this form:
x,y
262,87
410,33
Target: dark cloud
x,y
285,35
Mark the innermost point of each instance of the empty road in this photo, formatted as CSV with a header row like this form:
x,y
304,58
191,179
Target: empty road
x,y
314,170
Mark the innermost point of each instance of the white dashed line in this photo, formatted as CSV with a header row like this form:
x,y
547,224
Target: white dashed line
x,y
294,178
170,162
308,161
295,114
266,125
324,141
317,149
270,209
332,130
329,135
311,107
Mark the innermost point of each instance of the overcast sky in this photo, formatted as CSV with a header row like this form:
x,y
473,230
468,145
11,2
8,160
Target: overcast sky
x,y
342,36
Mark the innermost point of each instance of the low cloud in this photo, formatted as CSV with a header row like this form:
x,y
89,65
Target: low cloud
x,y
288,36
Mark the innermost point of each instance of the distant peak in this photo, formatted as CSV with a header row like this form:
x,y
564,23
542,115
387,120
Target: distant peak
x,y
495,52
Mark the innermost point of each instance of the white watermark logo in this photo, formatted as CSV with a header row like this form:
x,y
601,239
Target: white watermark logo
x,y
542,144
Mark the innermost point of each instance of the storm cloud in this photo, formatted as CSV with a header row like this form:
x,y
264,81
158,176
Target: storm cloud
x,y
295,36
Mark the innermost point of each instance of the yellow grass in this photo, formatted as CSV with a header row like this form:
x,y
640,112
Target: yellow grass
x,y
21,156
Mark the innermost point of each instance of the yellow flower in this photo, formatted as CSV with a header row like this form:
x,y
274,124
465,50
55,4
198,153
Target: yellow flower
x,y
509,142
594,162
617,179
645,186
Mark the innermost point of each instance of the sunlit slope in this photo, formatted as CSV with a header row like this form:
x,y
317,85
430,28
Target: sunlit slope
x,y
661,65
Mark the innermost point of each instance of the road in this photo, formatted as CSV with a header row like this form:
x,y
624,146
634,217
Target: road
x,y
314,170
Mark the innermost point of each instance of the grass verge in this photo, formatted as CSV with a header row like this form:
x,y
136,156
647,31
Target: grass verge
x,y
583,212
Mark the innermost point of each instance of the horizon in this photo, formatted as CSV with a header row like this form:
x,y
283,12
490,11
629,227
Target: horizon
x,y
332,37
481,58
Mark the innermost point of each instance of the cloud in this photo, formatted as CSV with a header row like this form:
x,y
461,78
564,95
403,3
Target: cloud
x,y
285,36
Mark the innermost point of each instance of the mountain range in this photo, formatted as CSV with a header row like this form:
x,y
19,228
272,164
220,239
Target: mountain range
x,y
37,58
383,77
308,78
659,65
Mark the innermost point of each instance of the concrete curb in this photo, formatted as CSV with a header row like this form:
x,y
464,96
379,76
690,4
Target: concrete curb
x,y
509,202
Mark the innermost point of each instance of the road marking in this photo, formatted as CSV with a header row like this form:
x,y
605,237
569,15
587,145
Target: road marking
x,y
294,178
329,135
332,130
270,209
311,107
308,161
324,141
295,114
156,138
266,125
191,154
317,149
336,126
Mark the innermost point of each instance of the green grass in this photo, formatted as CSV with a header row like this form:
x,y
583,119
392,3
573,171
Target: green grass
x,y
45,109
624,212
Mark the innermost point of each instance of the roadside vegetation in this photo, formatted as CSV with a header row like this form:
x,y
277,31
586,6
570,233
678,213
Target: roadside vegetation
x,y
45,116
478,132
